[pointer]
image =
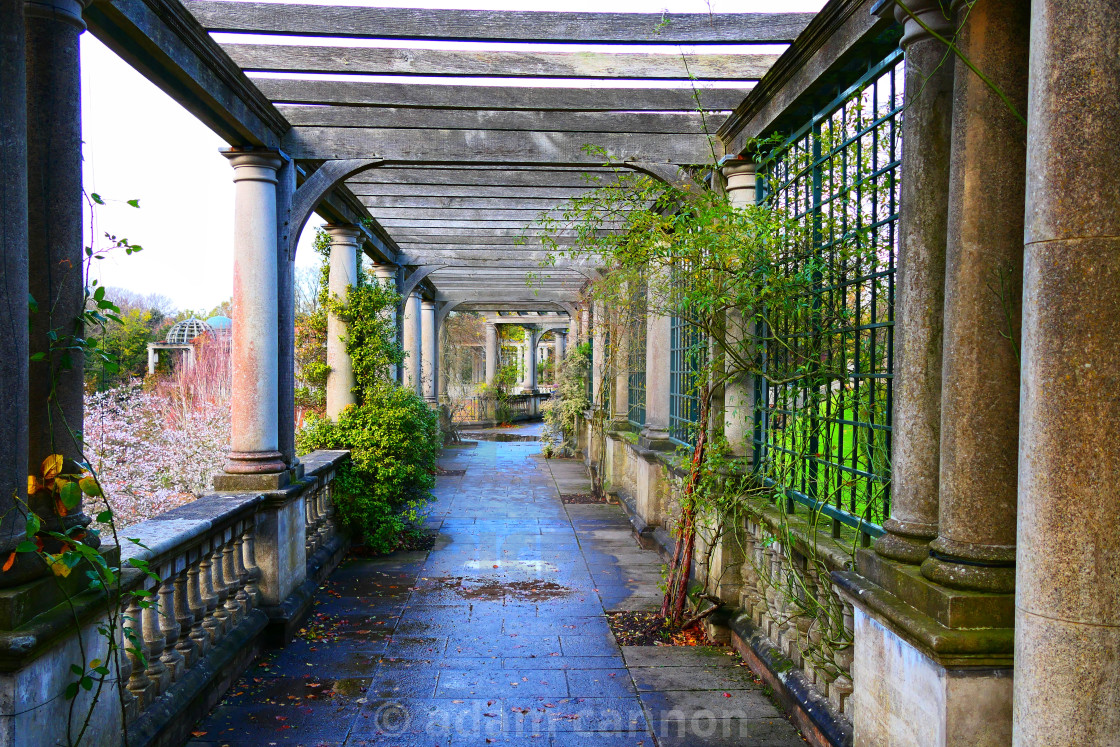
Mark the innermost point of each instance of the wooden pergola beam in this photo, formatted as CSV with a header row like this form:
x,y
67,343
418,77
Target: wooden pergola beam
x,y
498,25
686,123
432,96
437,62
166,45
510,176
511,201
458,146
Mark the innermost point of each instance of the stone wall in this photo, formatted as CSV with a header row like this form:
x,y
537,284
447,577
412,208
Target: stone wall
x,y
781,609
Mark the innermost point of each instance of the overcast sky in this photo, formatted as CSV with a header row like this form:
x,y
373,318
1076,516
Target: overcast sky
x,y
140,144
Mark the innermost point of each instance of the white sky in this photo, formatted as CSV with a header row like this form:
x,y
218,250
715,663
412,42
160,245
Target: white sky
x,y
140,144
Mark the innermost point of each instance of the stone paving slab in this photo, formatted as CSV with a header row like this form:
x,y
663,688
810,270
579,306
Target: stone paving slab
x,y
497,636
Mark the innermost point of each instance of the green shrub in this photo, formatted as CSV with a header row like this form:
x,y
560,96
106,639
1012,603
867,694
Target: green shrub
x,y
393,436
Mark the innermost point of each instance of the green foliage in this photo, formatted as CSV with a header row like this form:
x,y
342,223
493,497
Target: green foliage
x,y
569,401
311,338
393,434
394,440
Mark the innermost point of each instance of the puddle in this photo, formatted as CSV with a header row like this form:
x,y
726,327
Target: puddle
x,y
536,566
502,437
522,591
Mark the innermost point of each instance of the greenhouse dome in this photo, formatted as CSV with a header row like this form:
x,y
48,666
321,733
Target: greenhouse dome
x,y
186,330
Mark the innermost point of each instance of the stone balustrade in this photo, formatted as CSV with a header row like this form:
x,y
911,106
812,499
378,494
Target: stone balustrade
x,y
229,574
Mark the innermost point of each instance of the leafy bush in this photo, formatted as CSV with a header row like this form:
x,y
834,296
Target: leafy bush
x,y
393,436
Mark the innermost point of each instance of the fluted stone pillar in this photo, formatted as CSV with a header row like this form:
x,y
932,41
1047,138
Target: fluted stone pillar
x,y
13,284
738,392
387,275
254,428
411,341
342,276
429,351
1067,621
920,289
54,240
975,546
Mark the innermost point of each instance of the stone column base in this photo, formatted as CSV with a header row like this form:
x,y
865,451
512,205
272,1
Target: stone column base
x,y
932,666
226,482
904,697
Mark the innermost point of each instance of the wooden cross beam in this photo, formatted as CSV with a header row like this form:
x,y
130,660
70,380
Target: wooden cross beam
x,y
498,25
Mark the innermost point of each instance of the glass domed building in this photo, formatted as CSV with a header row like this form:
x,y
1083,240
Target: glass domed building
x,y
180,338
186,330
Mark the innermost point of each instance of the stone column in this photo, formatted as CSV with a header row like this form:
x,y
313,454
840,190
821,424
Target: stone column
x,y
1067,621
54,240
285,318
410,339
430,349
531,361
655,433
491,353
620,396
920,288
738,392
254,440
561,347
387,275
598,354
975,546
13,284
343,275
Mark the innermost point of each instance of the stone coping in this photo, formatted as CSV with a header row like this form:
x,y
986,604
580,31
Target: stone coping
x,y
949,647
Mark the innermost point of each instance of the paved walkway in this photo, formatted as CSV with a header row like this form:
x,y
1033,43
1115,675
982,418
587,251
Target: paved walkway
x,y
497,636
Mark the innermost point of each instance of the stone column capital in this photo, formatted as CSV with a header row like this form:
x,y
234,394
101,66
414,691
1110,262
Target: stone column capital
x,y
343,233
67,11
916,15
253,165
739,179
427,305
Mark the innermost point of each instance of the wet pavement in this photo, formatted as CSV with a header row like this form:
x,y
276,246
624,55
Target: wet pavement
x,y
496,636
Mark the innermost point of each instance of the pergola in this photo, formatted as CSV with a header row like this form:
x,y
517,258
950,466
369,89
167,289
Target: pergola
x,y
452,152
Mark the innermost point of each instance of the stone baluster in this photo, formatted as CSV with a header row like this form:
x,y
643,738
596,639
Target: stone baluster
x,y
171,657
233,583
326,530
244,601
184,616
311,520
747,594
199,635
209,595
131,671
154,644
760,581
841,689
218,590
250,561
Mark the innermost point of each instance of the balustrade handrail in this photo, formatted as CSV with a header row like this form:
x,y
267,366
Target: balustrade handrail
x,y
204,555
